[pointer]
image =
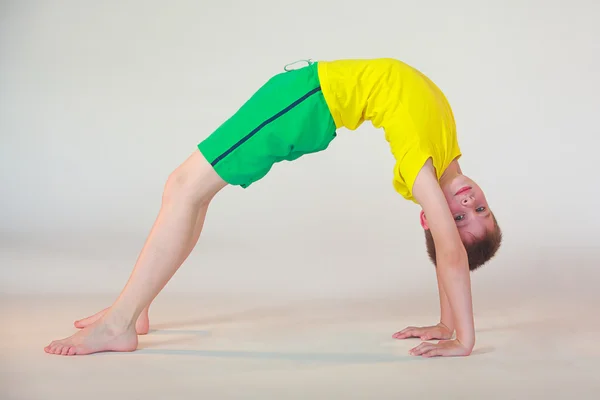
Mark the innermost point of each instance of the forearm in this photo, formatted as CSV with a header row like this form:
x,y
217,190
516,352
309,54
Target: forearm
x,y
446,316
456,284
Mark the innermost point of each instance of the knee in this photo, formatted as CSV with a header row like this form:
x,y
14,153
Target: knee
x,y
195,182
180,187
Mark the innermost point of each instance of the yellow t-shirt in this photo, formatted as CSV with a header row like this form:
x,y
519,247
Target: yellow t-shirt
x,y
413,112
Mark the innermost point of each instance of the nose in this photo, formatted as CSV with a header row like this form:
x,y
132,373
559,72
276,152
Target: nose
x,y
467,201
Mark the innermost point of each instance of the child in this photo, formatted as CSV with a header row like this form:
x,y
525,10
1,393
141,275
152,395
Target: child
x,y
298,112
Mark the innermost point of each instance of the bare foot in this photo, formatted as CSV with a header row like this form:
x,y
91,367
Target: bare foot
x,y
97,337
142,325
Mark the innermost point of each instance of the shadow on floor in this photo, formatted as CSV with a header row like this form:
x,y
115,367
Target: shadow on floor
x,y
318,311
246,315
336,358
194,332
523,325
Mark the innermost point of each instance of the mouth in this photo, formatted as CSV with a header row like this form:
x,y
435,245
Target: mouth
x,y
463,190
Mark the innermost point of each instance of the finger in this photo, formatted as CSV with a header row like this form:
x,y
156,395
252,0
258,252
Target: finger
x,y
431,336
441,350
444,349
408,329
422,348
434,352
405,333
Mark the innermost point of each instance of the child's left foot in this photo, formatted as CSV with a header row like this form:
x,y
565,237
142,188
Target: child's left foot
x,y
98,337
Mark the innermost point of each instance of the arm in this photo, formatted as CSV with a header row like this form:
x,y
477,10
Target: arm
x,y
446,317
452,263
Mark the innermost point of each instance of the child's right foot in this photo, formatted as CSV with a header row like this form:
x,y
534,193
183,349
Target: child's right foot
x,y
98,337
142,325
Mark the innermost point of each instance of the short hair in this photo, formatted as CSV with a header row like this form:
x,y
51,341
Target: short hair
x,y
478,253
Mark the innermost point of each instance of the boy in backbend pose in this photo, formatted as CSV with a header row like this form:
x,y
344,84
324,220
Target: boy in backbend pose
x,y
298,112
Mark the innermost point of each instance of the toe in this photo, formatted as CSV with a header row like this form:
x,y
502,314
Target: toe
x,y
57,348
65,350
71,351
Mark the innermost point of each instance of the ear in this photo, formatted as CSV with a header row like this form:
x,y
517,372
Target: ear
x,y
424,220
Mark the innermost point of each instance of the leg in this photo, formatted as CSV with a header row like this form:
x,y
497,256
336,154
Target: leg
x,y
187,194
289,112
142,325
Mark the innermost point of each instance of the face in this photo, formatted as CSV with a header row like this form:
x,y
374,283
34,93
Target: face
x,y
469,208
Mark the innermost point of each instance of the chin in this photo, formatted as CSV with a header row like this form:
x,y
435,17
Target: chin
x,y
461,181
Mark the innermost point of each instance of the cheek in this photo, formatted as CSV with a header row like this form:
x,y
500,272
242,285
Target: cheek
x,y
479,195
454,207
489,225
448,194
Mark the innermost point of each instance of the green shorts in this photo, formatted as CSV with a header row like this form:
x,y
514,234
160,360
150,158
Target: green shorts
x,y
284,120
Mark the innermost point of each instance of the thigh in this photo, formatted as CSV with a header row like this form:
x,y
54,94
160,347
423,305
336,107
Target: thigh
x,y
286,118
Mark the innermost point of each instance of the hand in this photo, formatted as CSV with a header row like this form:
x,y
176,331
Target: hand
x,y
439,331
445,348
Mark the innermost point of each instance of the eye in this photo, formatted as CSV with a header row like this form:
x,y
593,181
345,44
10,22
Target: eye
x,y
480,209
459,217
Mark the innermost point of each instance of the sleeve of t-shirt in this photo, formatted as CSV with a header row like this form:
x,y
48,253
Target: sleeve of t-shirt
x,y
410,149
410,159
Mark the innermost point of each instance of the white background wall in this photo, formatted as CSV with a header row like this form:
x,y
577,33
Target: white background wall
x,y
99,101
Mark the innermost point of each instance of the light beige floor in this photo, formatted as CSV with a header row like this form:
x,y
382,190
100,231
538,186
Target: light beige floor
x,y
244,348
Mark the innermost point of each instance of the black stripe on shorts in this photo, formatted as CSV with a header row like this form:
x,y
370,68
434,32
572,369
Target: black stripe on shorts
x,y
265,123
